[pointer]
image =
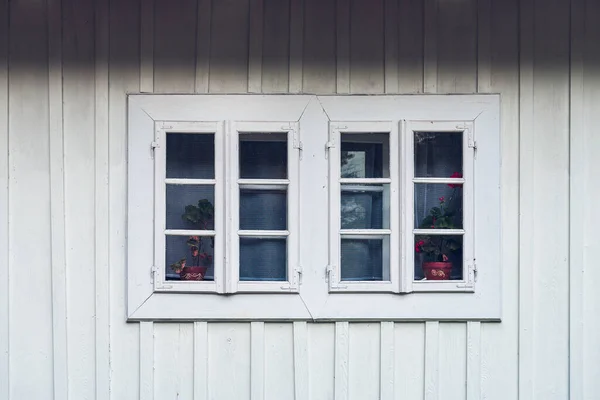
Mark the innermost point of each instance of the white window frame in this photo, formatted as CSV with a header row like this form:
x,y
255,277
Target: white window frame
x,y
312,292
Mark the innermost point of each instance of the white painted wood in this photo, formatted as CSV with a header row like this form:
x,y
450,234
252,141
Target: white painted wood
x,y
410,54
296,74
319,47
300,366
367,46
473,375
432,361
229,361
452,348
147,350
173,361
342,359
257,360
391,39
409,369
364,361
200,361
276,46
430,46
229,46
4,208
255,46
203,38
124,46
387,359
279,361
57,203
101,201
147,46
342,36
321,361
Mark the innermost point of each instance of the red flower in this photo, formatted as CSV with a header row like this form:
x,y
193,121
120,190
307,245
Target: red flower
x,y
457,175
418,246
441,199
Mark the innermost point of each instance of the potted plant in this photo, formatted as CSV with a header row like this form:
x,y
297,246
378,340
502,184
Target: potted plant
x,y
437,249
195,266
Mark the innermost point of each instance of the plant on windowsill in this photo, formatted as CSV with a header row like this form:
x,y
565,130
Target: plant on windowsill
x,y
202,217
438,248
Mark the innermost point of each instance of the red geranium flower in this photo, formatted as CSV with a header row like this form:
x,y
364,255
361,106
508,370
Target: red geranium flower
x,y
418,246
455,175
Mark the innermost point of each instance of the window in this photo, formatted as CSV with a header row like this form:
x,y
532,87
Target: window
x,y
314,207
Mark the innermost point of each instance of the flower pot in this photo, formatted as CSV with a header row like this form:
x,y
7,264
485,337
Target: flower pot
x,y
437,271
193,273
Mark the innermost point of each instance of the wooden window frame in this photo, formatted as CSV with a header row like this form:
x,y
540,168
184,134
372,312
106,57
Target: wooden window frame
x,y
311,293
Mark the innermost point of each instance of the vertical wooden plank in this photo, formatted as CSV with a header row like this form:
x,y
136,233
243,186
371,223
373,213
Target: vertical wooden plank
x,y
499,342
321,361
296,45
256,46
430,46
147,46
229,46
301,361
342,24
409,361
364,362
174,361
452,361
276,47
57,201
229,361
411,42
342,350
124,72
203,22
175,46
257,360
319,68
473,360
146,361
367,46
76,79
101,218
432,360
387,357
200,361
391,41
457,46
279,361
4,210
526,180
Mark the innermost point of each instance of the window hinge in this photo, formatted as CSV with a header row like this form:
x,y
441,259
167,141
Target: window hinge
x,y
153,272
474,266
333,284
298,145
153,146
299,271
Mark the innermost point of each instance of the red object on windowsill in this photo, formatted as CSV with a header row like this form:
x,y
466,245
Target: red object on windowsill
x,y
193,273
437,271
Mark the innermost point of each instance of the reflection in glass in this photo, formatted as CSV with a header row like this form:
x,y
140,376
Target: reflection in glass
x,y
365,206
438,206
190,207
263,259
189,251
438,154
438,257
191,155
365,155
365,259
263,155
263,209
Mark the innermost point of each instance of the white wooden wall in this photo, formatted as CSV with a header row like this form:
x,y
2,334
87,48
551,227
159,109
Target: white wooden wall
x,y
65,67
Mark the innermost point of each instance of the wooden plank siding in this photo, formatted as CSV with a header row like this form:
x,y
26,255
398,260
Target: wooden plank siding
x,y
65,70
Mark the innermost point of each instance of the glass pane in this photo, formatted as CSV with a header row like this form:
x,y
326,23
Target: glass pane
x,y
191,156
438,154
263,155
365,206
438,257
190,207
190,258
438,206
365,259
263,209
365,155
263,259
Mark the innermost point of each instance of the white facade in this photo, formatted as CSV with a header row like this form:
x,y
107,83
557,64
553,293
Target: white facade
x,y
65,70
